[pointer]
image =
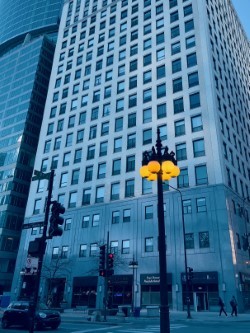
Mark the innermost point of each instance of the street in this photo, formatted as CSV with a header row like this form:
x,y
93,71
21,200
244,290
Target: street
x,y
149,326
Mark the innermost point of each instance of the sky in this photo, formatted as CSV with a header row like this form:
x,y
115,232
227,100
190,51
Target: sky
x,y
242,8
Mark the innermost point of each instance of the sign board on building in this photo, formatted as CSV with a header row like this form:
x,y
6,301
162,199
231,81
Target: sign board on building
x,y
33,225
149,279
31,266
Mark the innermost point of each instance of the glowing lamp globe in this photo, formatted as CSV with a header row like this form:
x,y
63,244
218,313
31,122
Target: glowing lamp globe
x,y
168,167
154,167
152,177
166,176
176,171
144,171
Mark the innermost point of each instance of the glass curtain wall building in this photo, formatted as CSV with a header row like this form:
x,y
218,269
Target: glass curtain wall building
x,y
25,64
121,70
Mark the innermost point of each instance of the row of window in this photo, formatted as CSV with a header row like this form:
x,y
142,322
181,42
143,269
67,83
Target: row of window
x,y
149,246
200,178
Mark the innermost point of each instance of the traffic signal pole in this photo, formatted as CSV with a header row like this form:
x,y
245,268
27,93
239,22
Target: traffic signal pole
x,y
105,299
42,249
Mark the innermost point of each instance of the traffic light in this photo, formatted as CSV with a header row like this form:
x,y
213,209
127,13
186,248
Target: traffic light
x,y
110,264
190,273
35,247
56,220
102,260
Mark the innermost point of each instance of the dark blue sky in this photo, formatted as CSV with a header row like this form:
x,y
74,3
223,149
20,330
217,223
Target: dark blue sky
x,y
243,9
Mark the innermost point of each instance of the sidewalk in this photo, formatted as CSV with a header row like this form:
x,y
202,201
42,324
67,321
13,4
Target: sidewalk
x,y
175,316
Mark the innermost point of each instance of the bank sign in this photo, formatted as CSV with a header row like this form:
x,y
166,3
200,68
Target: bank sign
x,y
153,279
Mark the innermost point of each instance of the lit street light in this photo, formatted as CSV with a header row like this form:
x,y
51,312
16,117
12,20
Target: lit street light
x,y
161,166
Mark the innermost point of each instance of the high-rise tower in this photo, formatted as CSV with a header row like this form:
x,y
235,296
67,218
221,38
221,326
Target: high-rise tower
x,y
121,70
25,63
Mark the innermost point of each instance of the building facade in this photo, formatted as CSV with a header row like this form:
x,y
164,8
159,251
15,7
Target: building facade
x,y
26,57
121,70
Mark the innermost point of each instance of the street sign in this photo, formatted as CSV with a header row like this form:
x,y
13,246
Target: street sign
x,y
33,225
40,175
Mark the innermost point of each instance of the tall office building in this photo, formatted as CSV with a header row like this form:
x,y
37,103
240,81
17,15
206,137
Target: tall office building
x,y
25,64
123,69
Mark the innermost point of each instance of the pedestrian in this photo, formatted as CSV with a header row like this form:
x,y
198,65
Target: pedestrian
x,y
222,304
234,304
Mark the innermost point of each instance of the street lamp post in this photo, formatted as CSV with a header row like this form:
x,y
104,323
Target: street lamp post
x,y
187,277
134,265
160,166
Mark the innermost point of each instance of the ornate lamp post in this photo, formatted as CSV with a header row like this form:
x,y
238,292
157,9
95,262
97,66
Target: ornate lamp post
x,y
134,265
160,166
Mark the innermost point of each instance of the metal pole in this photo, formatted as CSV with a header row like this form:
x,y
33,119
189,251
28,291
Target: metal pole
x,y
106,281
188,299
43,244
164,307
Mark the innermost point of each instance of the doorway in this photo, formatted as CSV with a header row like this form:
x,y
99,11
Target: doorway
x,y
200,301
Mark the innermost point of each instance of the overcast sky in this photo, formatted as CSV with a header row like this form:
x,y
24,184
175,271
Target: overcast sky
x,y
243,9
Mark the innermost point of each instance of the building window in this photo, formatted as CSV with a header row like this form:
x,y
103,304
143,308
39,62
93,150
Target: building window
x,y
67,225
72,199
182,180
149,244
91,152
189,241
201,205
204,239
131,120
118,124
181,152
83,251
65,251
178,105
116,169
129,188
146,186
201,175
161,72
196,123
114,247
126,215
85,221
93,249
177,85
86,197
103,148
130,163
149,212
78,156
117,145
88,173
101,171
55,252
175,48
99,194
147,136
115,217
194,100
131,141
193,79
37,206
191,60
161,90
125,246
95,220
179,127
75,177
189,25
190,42
187,207
198,148
115,191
